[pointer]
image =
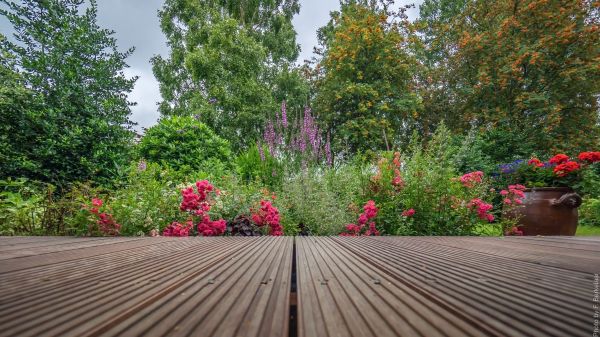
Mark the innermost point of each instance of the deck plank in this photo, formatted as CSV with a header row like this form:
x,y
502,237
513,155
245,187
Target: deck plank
x,y
345,286
468,288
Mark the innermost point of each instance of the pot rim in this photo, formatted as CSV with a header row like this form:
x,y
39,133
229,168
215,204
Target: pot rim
x,y
549,189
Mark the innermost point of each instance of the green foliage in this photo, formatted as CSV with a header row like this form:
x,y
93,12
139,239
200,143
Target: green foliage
x,y
526,72
471,154
230,62
323,200
81,126
589,212
252,167
184,144
19,122
21,208
150,200
430,187
364,81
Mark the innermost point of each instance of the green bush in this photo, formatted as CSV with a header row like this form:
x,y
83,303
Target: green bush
x,y
589,212
254,166
184,144
150,200
323,199
431,187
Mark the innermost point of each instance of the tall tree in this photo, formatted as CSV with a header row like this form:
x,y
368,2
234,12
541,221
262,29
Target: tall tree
x,y
19,115
530,68
230,63
365,84
76,69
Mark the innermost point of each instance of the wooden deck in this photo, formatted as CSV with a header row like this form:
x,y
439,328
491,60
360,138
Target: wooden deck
x,y
303,286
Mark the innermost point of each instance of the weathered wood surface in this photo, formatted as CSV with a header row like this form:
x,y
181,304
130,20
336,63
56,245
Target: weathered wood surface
x,y
307,286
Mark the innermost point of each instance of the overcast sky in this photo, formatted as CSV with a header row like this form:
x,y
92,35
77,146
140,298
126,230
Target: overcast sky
x,y
136,24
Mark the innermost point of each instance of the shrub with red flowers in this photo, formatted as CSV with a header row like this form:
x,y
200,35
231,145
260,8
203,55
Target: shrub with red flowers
x,y
197,203
268,215
514,195
482,209
177,229
100,220
361,228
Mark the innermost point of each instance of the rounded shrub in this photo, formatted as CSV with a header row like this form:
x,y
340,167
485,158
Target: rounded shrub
x,y
184,143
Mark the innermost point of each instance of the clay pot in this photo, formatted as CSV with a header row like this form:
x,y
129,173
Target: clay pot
x,y
549,211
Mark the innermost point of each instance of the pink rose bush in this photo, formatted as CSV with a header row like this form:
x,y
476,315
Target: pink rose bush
x,y
197,203
361,227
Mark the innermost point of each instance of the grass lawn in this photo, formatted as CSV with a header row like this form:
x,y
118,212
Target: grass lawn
x,y
583,230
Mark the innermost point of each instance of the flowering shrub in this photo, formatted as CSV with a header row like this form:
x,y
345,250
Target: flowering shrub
x,y
268,215
482,208
434,199
197,204
100,221
360,228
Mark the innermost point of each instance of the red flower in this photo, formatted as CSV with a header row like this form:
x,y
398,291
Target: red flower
x,y
564,169
408,213
370,212
559,159
590,157
535,162
482,209
96,202
268,215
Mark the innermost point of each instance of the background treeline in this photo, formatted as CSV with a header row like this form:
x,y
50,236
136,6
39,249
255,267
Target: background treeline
x,y
503,80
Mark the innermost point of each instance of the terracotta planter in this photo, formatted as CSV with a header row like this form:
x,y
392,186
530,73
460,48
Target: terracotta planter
x,y
549,211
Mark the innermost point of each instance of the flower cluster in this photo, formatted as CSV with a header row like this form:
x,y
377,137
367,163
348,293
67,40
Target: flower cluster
x,y
268,214
559,159
369,212
514,194
408,213
589,157
196,203
177,229
106,223
563,169
471,179
482,209
207,227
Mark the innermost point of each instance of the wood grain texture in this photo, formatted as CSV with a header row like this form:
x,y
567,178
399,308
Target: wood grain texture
x,y
344,286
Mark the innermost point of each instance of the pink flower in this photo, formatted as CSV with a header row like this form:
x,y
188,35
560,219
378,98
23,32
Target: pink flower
x,y
504,192
96,202
507,201
470,179
408,212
